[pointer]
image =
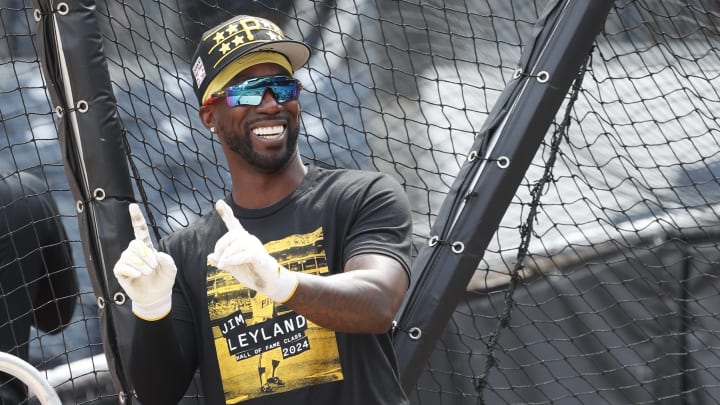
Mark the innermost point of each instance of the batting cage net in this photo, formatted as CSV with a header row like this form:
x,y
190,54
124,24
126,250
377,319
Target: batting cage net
x,y
561,157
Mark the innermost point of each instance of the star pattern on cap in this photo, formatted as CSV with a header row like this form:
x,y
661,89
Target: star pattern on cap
x,y
219,37
237,38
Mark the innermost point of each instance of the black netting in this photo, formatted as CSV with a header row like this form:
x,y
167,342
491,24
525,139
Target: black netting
x,y
616,288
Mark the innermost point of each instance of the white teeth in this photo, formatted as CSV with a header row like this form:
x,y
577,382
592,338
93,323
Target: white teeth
x,y
269,132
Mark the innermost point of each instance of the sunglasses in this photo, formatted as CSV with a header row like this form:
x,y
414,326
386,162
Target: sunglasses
x,y
250,92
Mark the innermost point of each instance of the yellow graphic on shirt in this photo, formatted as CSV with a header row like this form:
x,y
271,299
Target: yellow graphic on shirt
x,y
262,347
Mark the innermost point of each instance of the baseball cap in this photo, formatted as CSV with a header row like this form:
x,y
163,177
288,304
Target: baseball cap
x,y
238,43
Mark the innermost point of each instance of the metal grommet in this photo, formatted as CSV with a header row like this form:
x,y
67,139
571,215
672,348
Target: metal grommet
x,y
433,241
82,106
472,156
37,15
59,111
101,302
458,247
543,76
119,298
415,333
503,162
99,194
79,206
63,8
122,397
517,73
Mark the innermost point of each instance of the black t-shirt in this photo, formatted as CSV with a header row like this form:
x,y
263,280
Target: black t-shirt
x,y
251,350
38,284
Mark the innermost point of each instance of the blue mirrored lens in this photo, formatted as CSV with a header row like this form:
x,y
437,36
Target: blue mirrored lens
x,y
250,92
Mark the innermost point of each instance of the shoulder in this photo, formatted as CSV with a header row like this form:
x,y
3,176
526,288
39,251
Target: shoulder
x,y
362,190
364,194
355,180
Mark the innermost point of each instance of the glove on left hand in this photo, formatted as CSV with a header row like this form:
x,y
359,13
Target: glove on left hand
x,y
244,256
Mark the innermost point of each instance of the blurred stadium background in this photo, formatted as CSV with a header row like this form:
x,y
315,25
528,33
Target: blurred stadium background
x,y
614,298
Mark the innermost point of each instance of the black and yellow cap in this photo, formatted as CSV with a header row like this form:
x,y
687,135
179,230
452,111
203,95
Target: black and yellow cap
x,y
238,43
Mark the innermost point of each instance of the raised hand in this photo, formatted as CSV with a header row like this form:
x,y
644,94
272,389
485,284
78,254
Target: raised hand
x,y
245,257
146,275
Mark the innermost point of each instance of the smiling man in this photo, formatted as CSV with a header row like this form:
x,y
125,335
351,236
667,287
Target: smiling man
x,y
286,292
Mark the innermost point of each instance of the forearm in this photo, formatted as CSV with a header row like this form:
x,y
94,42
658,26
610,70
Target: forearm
x,y
160,369
351,302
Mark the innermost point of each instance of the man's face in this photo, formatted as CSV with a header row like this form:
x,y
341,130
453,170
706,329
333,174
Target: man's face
x,y
264,136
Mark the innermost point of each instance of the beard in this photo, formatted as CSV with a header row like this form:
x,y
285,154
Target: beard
x,y
267,162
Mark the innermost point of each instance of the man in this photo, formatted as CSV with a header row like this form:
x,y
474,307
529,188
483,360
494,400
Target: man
x,y
286,292
38,284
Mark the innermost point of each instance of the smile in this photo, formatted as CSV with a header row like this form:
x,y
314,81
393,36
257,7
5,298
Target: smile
x,y
271,133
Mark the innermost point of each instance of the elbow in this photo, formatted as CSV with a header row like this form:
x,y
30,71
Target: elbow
x,y
384,324
393,295
385,315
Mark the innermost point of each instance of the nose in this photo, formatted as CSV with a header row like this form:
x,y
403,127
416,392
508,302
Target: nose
x,y
269,101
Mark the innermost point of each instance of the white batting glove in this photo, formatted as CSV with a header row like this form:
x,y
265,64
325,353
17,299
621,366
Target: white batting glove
x,y
245,257
146,275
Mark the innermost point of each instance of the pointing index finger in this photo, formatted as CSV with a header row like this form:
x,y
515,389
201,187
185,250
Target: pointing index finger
x,y
139,225
226,214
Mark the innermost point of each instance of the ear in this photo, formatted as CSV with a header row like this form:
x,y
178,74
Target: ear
x,y
207,115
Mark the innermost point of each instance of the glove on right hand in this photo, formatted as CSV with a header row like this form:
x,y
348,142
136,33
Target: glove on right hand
x,y
146,275
244,256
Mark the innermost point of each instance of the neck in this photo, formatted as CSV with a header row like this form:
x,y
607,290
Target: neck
x,y
253,189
